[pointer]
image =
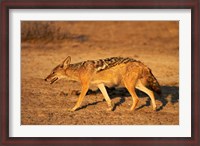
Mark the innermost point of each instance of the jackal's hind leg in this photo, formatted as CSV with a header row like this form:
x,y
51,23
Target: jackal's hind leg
x,y
150,93
105,94
130,86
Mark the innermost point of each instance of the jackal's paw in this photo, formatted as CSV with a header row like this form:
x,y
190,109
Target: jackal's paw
x,y
132,109
110,108
72,109
154,108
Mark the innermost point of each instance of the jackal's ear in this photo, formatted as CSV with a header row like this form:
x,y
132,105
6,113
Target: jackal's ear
x,y
66,62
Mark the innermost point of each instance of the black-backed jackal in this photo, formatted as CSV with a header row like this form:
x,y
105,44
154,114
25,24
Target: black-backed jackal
x,y
108,72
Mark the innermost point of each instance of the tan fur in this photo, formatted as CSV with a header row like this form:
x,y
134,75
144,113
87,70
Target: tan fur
x,y
115,71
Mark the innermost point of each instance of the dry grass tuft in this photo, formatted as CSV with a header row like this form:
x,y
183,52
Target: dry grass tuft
x,y
48,30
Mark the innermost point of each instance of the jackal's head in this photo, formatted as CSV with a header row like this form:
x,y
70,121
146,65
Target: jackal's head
x,y
59,71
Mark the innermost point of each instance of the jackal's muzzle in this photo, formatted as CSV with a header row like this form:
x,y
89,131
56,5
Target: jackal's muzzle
x,y
51,79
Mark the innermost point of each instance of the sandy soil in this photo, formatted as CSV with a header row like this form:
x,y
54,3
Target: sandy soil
x,y
154,43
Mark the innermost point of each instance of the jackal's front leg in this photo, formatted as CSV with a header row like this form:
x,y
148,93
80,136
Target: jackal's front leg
x,y
84,90
105,94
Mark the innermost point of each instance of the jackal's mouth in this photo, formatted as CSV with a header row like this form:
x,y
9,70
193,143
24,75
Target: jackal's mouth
x,y
53,80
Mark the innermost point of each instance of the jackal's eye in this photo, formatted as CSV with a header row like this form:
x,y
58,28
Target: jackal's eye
x,y
53,72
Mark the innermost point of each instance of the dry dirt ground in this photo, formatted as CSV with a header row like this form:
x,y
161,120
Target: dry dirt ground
x,y
156,44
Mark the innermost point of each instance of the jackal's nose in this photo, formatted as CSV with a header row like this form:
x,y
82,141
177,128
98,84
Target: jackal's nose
x,y
45,79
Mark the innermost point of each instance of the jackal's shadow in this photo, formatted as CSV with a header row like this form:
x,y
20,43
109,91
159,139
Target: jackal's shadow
x,y
169,94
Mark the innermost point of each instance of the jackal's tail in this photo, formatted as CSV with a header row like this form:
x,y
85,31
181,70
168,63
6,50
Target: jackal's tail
x,y
153,83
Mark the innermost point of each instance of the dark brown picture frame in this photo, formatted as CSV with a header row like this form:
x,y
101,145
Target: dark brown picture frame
x,y
89,4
